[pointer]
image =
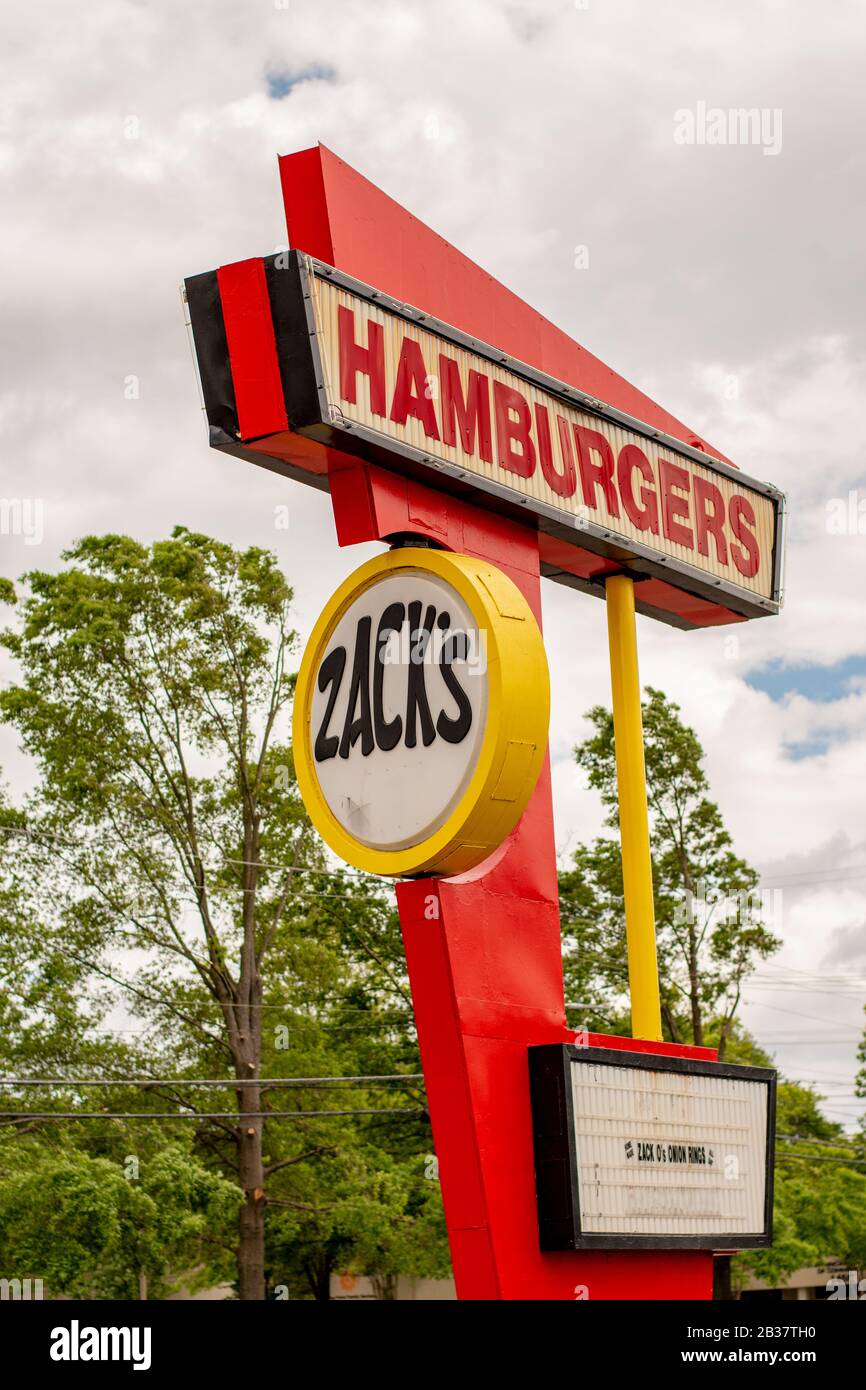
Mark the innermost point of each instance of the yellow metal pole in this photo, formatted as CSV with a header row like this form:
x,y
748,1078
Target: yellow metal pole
x,y
643,974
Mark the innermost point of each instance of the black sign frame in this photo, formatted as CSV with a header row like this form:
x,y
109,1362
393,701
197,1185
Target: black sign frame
x,y
557,1178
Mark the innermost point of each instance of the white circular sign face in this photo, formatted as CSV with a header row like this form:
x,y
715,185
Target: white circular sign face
x,y
399,709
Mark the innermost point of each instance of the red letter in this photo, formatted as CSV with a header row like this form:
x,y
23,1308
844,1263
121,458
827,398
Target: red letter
x,y
645,518
472,415
710,524
674,506
411,373
508,403
369,360
594,474
563,483
740,510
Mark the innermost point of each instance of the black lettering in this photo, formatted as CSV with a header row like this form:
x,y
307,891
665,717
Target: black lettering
x,y
387,731
362,727
453,730
330,673
416,694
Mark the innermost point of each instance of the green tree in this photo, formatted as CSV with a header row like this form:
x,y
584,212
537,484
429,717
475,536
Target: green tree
x,y
51,1009
165,863
90,1229
860,1080
709,922
368,1213
154,680
819,1184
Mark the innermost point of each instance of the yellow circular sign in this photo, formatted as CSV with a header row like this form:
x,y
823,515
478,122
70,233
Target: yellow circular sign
x,y
421,713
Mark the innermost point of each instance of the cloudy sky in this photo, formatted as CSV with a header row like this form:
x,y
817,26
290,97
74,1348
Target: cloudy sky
x,y
138,144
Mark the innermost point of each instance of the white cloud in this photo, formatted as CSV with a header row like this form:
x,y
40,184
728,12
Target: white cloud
x,y
518,131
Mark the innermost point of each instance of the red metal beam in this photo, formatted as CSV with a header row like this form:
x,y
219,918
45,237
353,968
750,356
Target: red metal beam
x,y
335,214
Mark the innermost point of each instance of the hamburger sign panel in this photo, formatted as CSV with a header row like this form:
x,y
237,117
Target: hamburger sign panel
x,y
413,388
344,369
421,713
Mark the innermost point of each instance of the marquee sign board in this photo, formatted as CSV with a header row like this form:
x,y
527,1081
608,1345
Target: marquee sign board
x,y
421,713
372,376
638,1149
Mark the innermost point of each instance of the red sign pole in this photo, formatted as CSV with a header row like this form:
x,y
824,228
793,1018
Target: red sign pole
x,y
483,949
485,965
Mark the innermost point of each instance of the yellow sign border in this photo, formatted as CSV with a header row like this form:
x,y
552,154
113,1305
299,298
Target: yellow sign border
x,y
518,715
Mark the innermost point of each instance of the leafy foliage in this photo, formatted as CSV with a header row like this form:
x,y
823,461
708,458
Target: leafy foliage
x,y
165,876
80,1224
709,924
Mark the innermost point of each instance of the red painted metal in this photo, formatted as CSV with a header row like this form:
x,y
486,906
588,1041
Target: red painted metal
x,y
252,348
335,214
483,949
485,965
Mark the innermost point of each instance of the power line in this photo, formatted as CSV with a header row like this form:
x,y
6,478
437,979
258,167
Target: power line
x,y
807,1139
809,974
846,873
856,993
240,1117
363,876
228,1084
795,1013
297,1024
358,875
796,878
821,1158
825,874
